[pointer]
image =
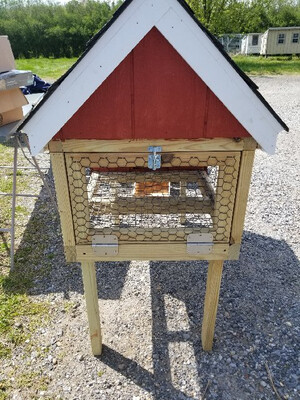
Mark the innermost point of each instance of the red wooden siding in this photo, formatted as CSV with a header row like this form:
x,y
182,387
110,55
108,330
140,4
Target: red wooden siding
x,y
152,94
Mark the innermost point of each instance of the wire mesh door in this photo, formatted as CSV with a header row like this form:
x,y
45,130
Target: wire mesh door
x,y
117,194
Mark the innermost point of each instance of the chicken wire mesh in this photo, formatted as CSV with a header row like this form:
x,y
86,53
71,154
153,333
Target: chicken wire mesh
x,y
116,194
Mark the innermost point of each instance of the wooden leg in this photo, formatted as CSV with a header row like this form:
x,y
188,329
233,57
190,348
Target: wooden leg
x,y
213,284
91,297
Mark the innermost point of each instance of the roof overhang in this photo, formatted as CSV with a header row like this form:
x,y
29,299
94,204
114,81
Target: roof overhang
x,y
196,47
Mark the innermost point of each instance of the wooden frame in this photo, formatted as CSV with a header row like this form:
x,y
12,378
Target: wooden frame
x,y
64,206
85,254
140,146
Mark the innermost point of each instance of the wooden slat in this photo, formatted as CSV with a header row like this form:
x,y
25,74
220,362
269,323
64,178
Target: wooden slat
x,y
136,234
141,146
175,160
161,251
129,177
153,205
242,196
63,200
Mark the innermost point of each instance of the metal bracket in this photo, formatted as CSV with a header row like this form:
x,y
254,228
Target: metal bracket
x,y
199,243
154,159
105,245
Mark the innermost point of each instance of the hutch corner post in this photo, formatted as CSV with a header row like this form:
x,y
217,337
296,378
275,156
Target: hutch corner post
x,y
152,134
114,207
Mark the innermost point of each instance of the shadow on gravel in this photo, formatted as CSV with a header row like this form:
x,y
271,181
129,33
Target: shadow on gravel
x,y
255,323
257,309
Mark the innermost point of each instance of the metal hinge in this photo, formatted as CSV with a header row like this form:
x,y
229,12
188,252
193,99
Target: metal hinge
x,y
199,243
154,159
105,245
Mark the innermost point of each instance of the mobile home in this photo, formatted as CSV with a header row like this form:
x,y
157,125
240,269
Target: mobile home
x,y
251,43
277,41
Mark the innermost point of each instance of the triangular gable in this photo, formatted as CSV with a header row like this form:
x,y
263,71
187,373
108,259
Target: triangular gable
x,y
133,21
152,94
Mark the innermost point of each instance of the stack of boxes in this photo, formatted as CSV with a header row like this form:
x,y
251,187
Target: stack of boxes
x,y
11,97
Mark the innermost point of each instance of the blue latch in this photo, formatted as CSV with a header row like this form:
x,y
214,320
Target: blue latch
x,y
154,159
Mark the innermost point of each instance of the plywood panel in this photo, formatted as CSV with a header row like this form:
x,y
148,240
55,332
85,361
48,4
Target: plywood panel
x,y
170,99
107,113
152,94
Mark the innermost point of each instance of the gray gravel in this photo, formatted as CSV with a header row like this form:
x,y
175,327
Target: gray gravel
x,y
151,312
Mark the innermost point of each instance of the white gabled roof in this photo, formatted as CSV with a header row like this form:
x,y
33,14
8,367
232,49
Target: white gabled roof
x,y
133,21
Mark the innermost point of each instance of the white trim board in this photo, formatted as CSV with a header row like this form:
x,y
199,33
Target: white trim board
x,y
182,32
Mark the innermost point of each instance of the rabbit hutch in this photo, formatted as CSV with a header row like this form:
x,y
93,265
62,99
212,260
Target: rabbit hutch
x,y
152,135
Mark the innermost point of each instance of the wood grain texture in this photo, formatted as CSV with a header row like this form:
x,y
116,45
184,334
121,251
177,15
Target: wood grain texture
x,y
152,94
213,283
243,187
92,306
140,146
153,251
64,206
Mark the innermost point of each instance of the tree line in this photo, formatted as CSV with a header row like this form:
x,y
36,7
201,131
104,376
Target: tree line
x,y
36,28
246,16
49,29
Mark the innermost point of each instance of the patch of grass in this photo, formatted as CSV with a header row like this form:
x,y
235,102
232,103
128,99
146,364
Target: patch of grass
x,y
6,155
4,388
14,308
256,65
5,351
32,379
6,184
51,68
46,68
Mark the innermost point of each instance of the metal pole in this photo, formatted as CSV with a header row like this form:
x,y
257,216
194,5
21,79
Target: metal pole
x,y
13,207
41,174
19,195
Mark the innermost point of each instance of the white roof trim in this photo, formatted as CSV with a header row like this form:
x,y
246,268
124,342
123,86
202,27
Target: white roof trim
x,y
182,32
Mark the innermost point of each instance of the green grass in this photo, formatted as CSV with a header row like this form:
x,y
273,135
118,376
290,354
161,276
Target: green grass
x,y
6,155
51,69
255,65
46,68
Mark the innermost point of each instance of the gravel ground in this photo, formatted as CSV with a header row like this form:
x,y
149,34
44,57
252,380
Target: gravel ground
x,y
151,311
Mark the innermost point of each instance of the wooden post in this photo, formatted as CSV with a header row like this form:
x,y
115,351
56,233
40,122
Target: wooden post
x,y
242,196
91,297
213,283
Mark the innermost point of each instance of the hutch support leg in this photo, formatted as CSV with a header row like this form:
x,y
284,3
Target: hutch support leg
x,y
91,297
213,284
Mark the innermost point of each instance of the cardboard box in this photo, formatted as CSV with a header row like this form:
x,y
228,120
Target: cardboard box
x,y
7,60
15,79
11,116
11,99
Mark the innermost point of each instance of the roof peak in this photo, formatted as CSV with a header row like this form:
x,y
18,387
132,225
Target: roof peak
x,y
177,23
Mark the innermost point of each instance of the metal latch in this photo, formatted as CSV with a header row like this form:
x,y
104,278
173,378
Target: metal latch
x,y
199,243
105,245
154,159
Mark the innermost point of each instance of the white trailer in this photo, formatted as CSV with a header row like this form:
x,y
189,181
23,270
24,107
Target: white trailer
x,y
251,43
277,41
